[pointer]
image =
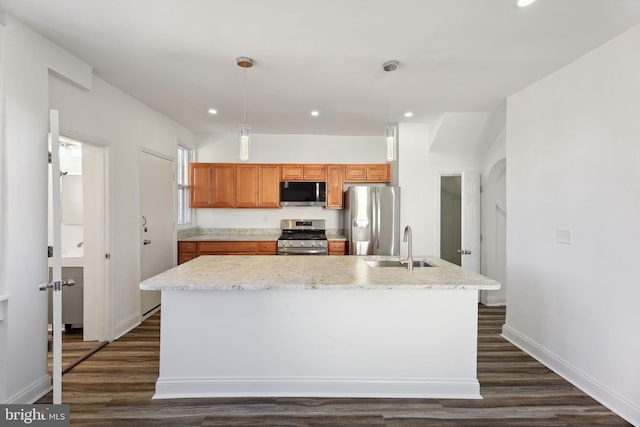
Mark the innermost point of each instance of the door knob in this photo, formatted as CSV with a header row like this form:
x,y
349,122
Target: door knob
x,y
464,252
146,242
56,285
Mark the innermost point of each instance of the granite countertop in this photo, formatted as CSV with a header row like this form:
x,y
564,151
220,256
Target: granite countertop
x,y
228,272
241,234
230,237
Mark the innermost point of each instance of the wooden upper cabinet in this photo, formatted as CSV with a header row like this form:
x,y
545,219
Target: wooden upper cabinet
x,y
224,185
212,185
299,172
335,186
292,172
379,172
247,186
199,185
257,186
367,173
269,186
315,172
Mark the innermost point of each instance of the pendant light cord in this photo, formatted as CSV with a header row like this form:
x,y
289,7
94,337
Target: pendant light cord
x,y
244,95
390,91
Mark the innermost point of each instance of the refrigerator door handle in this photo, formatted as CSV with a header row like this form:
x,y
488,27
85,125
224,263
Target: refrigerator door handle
x,y
378,213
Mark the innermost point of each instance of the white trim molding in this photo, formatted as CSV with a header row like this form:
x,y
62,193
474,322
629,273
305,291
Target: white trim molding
x,y
593,388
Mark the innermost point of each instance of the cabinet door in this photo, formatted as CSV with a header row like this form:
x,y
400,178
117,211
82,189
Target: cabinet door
x,y
378,173
227,248
269,186
335,186
292,172
247,186
200,185
355,173
223,184
267,248
186,251
337,247
314,172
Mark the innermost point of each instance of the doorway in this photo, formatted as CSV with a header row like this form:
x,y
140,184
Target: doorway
x,y
460,219
83,242
157,248
83,236
451,218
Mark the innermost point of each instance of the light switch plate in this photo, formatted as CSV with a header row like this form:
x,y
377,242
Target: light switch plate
x,y
563,236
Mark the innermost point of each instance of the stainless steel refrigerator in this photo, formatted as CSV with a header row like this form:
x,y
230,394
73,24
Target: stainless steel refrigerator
x,y
372,220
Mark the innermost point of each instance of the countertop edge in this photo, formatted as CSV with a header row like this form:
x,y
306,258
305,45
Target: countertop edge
x,y
250,288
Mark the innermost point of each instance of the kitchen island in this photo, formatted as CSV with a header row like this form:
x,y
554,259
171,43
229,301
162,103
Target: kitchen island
x,y
317,326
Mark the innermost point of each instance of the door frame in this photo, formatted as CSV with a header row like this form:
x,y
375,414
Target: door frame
x,y
438,216
145,150
104,295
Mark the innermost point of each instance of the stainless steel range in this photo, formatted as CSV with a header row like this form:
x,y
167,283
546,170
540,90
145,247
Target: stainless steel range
x,y
303,237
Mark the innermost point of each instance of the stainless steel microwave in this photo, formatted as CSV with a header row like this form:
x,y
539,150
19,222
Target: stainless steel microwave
x,y
303,193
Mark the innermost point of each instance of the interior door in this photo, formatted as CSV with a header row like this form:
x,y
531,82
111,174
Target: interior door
x,y
55,285
156,232
470,227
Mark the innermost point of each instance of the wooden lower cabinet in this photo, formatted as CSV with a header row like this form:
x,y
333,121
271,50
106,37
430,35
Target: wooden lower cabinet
x,y
337,247
188,250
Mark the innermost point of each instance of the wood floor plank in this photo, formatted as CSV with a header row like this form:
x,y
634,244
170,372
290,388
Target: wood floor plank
x,y
115,386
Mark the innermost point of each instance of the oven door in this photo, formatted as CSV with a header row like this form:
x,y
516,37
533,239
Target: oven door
x,y
303,251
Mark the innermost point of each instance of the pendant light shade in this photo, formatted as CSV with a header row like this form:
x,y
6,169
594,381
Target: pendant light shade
x,y
390,138
245,141
390,129
245,129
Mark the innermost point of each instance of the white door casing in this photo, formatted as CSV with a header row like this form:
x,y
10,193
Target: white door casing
x,y
157,195
57,258
470,244
96,315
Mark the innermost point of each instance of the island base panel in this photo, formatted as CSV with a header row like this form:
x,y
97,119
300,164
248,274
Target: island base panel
x,y
322,343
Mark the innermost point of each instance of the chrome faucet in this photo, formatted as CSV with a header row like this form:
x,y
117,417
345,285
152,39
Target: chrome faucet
x,y
408,237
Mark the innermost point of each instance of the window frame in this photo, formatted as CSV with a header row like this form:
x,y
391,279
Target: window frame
x,y
184,155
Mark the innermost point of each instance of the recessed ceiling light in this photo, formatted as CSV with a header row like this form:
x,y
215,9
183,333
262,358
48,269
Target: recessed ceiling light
x,y
315,113
408,114
525,3
213,111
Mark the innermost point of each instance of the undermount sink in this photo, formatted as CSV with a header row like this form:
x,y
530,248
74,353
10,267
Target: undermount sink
x,y
397,263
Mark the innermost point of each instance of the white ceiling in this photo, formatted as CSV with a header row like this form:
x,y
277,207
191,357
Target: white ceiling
x,y
178,56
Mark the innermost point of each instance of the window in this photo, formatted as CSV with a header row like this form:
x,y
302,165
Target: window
x,y
184,213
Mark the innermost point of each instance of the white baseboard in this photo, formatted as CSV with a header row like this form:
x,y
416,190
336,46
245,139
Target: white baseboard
x,y
490,299
593,388
151,312
33,392
173,388
126,325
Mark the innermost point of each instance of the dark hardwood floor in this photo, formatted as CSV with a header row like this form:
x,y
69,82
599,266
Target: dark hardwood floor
x,y
114,387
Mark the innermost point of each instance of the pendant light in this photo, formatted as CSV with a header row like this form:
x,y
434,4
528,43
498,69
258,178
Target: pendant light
x,y
390,129
245,130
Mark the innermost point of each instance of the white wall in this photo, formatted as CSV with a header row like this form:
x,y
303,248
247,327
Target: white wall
x,y
574,164
267,148
23,203
91,110
416,194
107,116
453,143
